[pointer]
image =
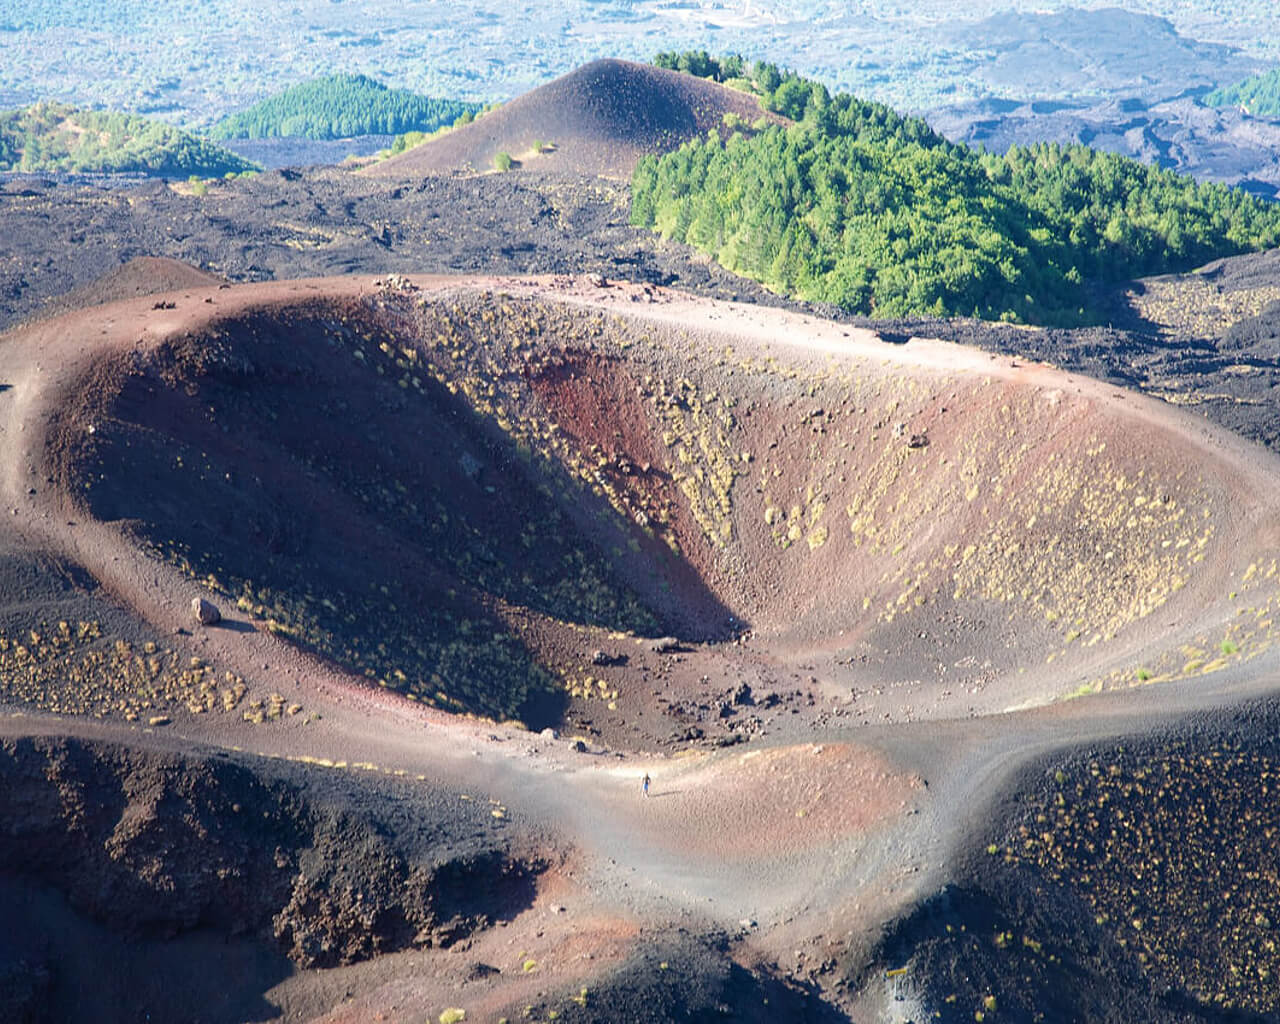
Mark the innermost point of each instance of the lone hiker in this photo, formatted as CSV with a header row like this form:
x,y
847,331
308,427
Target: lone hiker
x,y
644,785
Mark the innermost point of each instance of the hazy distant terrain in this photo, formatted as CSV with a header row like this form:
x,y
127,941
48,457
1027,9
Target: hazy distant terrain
x,y
1117,81
199,64
1223,145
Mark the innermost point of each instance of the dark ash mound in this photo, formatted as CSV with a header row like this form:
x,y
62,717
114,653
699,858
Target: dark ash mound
x,y
151,845
678,976
598,119
1133,881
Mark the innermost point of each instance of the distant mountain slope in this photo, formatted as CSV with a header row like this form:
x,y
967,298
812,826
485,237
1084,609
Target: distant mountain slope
x,y
1259,95
1215,144
338,107
600,119
1092,53
53,137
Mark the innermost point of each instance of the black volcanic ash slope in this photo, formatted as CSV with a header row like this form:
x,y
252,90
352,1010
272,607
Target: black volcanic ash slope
x,y
153,846
598,119
1132,881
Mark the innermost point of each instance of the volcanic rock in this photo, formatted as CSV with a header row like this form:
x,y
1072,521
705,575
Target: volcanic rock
x,y
206,612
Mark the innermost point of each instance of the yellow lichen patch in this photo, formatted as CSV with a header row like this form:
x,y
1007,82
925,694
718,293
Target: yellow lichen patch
x,y
1171,849
1190,306
1092,524
698,431
80,671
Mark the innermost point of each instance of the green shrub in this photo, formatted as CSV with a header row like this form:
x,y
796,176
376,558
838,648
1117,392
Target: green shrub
x,y
875,212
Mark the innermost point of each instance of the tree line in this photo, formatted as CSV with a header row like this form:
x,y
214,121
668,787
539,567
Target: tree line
x,y
1259,95
338,107
860,206
56,138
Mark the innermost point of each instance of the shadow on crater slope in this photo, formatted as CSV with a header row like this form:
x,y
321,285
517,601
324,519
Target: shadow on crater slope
x,y
338,480
122,868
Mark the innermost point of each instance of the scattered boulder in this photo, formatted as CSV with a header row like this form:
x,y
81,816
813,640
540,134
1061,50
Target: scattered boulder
x,y
206,612
664,645
396,283
918,441
579,747
607,658
549,734
742,695
597,280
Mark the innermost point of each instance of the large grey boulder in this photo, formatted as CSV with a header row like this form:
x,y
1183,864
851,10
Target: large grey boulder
x,y
206,612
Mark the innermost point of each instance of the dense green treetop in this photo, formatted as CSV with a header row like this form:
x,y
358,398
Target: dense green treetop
x,y
857,205
53,137
340,106
1259,95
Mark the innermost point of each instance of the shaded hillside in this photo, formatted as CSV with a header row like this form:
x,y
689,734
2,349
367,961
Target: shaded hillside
x,y
599,119
51,137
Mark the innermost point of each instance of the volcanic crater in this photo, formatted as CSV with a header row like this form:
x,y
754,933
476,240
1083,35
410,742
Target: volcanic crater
x,y
659,525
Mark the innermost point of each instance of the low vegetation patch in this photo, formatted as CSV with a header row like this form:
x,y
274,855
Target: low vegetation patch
x,y
1170,849
53,137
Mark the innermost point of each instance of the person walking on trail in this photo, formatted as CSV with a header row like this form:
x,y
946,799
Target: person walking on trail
x,y
644,785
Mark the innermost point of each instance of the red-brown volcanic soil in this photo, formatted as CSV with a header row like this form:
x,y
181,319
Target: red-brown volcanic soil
x,y
144,275
492,496
599,119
